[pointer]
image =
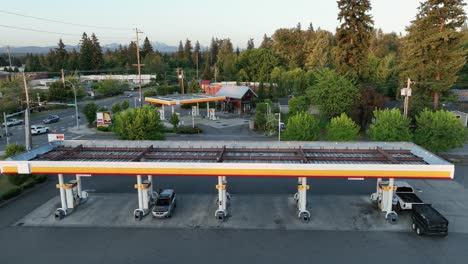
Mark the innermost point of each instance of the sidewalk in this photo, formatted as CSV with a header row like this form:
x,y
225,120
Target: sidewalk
x,y
463,151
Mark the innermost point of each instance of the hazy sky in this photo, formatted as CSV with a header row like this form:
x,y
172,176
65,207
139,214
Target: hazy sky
x,y
171,21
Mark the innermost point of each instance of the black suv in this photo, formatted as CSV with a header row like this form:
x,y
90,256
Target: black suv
x,y
428,221
165,204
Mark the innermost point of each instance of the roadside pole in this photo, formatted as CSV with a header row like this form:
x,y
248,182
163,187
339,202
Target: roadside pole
x,y
27,121
6,129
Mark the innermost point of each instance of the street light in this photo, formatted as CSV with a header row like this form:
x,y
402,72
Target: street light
x,y
76,105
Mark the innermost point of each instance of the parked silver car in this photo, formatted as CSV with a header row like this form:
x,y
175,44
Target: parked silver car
x,y
165,204
13,122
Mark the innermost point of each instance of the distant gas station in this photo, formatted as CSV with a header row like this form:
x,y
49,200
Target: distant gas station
x,y
301,160
181,99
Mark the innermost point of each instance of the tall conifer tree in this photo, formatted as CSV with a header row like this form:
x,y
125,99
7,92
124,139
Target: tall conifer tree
x,y
432,51
353,37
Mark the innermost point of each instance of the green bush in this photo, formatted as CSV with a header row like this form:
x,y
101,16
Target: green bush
x,y
139,124
13,149
125,105
28,185
11,193
18,179
389,125
188,130
116,108
342,128
104,129
90,112
302,127
174,120
439,131
39,178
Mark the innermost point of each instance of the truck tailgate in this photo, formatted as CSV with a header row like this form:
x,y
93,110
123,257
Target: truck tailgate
x,y
409,198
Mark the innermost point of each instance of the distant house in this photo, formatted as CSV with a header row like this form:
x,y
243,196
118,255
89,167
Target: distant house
x,y
130,78
463,117
462,95
284,104
42,84
239,99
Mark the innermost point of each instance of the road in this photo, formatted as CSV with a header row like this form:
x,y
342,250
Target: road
x,y
67,120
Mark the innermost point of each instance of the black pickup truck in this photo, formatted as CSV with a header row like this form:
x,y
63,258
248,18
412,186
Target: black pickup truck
x,y
428,221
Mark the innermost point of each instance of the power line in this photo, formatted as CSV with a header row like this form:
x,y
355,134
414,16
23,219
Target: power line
x,y
53,32
63,22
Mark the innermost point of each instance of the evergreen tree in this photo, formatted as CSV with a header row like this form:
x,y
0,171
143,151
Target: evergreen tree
x,y
433,52
214,48
353,37
180,51
318,50
188,52
86,53
147,48
237,51
289,45
73,60
97,52
61,55
250,44
225,47
267,42
197,54
261,91
207,75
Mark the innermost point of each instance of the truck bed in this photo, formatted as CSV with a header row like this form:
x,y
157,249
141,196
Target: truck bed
x,y
434,219
409,198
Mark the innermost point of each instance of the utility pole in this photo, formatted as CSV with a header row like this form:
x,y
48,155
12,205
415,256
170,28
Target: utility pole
x,y
76,103
196,59
9,56
215,73
180,75
6,129
63,78
406,92
27,121
139,66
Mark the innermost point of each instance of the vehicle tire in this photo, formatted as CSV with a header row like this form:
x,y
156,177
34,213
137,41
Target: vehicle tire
x,y
419,232
413,226
392,218
47,130
169,215
175,205
59,215
305,217
138,215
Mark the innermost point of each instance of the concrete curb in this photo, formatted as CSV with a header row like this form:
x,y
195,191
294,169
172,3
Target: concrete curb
x,y
23,193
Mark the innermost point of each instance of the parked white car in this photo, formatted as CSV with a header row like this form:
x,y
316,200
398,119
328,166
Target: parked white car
x,y
39,129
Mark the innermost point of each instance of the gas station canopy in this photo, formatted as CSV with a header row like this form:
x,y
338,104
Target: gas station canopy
x,y
232,158
179,99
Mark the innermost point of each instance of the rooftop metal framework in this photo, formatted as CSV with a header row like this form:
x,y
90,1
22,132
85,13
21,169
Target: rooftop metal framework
x,y
231,155
177,99
214,158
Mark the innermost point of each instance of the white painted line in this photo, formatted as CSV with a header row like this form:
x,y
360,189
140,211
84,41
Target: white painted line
x,y
355,179
78,137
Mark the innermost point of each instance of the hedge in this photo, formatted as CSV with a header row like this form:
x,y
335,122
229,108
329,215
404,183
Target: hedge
x,y
11,193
